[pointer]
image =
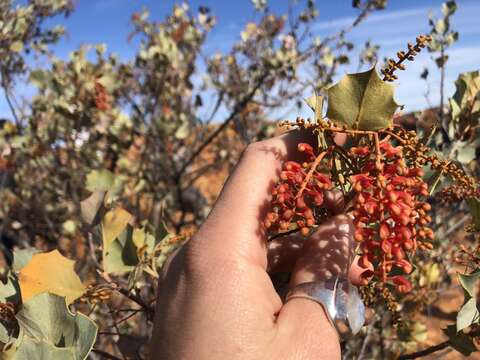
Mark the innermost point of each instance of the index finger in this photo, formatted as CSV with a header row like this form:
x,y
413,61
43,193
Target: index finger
x,y
235,222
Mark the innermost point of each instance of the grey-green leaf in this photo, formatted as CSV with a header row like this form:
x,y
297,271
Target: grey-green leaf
x,y
10,291
469,282
46,318
39,350
121,255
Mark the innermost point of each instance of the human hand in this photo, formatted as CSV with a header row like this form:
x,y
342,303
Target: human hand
x,y
216,299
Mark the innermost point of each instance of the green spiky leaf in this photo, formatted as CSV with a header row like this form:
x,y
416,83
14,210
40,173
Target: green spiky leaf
x,y
362,101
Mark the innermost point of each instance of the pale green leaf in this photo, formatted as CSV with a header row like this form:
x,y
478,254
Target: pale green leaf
x,y
143,239
109,82
183,131
4,335
468,314
469,282
419,332
441,26
100,180
121,255
39,350
69,227
38,78
361,101
10,291
113,224
466,154
46,318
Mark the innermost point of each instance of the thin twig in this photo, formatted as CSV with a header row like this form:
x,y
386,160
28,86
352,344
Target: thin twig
x,y
310,172
366,340
6,91
148,309
457,225
426,351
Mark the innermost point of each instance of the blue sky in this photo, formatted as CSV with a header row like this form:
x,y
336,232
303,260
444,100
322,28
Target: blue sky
x,y
108,21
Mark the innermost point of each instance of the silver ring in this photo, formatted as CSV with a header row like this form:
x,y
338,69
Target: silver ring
x,y
340,300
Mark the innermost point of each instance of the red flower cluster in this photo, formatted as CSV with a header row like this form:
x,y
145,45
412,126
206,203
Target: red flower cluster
x,y
298,196
389,217
101,98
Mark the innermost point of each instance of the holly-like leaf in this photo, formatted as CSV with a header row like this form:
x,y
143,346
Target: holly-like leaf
x,y
49,328
53,273
113,224
362,101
